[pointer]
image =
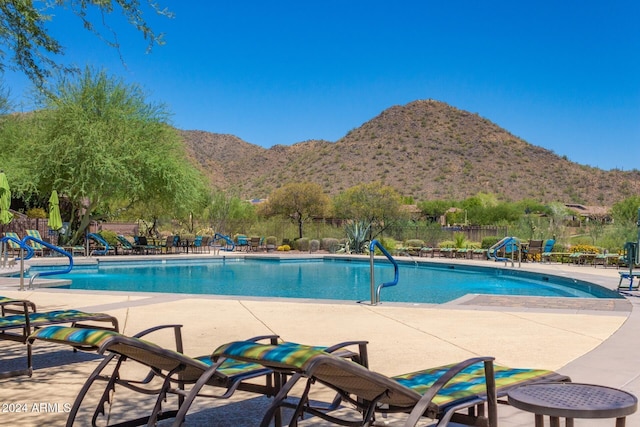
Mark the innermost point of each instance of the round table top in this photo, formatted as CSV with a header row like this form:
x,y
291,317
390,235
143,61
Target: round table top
x,y
573,400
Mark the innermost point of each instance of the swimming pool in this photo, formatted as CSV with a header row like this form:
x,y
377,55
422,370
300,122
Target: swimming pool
x,y
334,279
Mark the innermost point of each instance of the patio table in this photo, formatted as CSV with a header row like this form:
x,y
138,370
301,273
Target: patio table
x,y
573,400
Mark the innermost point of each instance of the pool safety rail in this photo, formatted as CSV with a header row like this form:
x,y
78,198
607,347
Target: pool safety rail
x,y
375,293
228,242
23,246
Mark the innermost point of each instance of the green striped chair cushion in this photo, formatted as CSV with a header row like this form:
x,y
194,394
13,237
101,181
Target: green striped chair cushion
x,y
12,243
58,316
286,355
73,336
83,337
468,383
35,234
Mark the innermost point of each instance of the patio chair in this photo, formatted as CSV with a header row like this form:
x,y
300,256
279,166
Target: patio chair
x,y
534,250
11,244
17,327
437,393
16,306
171,367
125,245
254,243
36,246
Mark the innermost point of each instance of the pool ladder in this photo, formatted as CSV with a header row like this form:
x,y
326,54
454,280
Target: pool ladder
x,y
375,292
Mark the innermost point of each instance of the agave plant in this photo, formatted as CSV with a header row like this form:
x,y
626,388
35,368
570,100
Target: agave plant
x,y
357,232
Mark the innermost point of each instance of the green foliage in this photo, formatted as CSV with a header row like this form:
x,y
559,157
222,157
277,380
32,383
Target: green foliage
x,y
489,241
227,213
434,209
314,245
23,30
109,236
329,244
357,232
108,150
447,244
626,211
36,213
271,240
459,240
302,244
388,243
413,243
298,201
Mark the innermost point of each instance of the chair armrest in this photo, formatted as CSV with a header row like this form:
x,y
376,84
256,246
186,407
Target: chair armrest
x,y
362,357
426,399
177,332
27,307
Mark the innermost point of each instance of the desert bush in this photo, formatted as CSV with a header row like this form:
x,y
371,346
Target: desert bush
x,y
327,243
301,244
489,241
314,245
109,236
412,243
284,248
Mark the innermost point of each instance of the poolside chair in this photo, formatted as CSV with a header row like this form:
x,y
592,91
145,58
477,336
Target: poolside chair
x,y
534,250
171,367
254,243
17,327
125,245
11,244
16,306
36,246
437,393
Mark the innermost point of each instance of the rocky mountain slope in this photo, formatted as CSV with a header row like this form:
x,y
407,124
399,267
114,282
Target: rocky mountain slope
x,y
426,149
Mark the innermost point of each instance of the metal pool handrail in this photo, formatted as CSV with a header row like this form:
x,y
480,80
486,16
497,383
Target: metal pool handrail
x,y
375,294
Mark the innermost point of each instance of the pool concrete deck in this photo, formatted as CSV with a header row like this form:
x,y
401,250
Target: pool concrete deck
x,y
593,341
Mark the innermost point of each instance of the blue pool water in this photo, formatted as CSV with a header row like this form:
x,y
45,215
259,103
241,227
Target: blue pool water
x,y
320,279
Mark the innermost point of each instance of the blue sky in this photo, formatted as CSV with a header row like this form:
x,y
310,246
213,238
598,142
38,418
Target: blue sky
x,y
563,75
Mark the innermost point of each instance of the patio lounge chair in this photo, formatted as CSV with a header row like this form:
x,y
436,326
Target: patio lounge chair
x,y
11,243
16,306
36,246
17,327
437,393
174,369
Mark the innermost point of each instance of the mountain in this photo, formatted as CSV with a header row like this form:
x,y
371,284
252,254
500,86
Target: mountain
x,y
426,149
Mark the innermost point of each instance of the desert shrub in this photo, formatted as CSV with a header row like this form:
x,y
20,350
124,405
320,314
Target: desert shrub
x,y
447,244
459,240
412,243
388,243
314,245
327,243
284,248
489,241
473,245
109,236
271,240
36,213
302,244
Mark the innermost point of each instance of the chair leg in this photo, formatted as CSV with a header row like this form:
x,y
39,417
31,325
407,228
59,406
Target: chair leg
x,y
193,393
85,389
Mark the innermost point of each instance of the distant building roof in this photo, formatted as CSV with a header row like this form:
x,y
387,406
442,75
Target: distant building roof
x,y
589,211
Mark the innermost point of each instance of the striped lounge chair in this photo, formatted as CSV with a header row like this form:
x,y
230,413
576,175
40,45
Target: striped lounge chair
x,y
36,246
437,393
175,370
17,327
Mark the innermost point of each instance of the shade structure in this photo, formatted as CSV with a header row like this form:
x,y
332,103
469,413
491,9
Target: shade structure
x,y
5,200
55,220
